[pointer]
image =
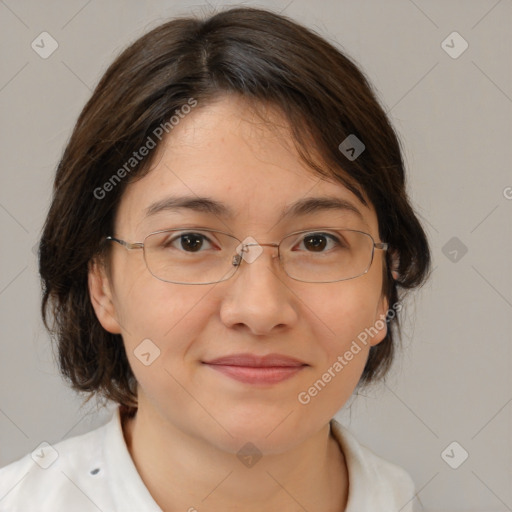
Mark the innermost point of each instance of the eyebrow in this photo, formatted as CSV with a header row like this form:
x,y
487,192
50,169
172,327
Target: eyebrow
x,y
207,205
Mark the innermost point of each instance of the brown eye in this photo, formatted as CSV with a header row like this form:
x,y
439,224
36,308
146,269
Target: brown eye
x,y
187,242
319,243
191,242
315,243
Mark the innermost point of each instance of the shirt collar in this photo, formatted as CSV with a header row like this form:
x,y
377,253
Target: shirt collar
x,y
131,495
358,472
128,490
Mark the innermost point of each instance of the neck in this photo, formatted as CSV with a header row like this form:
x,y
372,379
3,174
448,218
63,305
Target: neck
x,y
187,473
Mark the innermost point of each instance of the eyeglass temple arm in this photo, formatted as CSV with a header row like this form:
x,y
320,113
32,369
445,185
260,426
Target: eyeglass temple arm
x,y
381,245
127,245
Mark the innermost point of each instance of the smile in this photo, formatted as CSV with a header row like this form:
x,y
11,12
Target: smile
x,y
252,369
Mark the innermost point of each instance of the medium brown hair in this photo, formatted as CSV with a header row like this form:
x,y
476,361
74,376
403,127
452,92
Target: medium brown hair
x,y
268,59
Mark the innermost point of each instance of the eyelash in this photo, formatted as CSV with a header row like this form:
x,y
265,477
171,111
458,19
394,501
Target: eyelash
x,y
169,241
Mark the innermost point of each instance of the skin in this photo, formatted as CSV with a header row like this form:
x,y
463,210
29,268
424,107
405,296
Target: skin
x,y
192,420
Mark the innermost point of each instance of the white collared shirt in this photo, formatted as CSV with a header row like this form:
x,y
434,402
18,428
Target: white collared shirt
x,y
95,472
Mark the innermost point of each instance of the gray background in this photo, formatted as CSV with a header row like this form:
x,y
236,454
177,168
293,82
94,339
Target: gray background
x,y
453,381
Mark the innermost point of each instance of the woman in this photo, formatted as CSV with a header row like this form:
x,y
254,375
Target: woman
x,y
224,255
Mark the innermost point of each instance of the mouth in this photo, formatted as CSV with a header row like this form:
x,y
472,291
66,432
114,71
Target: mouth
x,y
253,369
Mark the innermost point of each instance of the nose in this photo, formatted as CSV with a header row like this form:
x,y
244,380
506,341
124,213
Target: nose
x,y
258,298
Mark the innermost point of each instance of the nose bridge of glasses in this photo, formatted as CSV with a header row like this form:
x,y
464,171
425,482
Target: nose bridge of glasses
x,y
257,245
244,251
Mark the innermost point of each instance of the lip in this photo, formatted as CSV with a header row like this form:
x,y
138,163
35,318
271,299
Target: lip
x,y
253,369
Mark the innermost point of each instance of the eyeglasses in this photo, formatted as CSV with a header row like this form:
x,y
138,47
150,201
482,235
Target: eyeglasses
x,y
207,256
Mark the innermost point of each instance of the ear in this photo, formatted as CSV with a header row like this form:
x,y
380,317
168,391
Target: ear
x,y
395,264
380,326
100,292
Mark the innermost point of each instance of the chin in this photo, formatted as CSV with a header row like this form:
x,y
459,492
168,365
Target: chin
x,y
270,433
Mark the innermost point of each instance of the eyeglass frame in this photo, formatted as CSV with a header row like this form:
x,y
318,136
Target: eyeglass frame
x,y
384,246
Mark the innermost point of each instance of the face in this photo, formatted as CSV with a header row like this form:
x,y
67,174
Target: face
x,y
226,153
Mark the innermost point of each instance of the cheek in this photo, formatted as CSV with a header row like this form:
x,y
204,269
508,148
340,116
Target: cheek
x,y
163,321
339,318
170,316
343,311
343,316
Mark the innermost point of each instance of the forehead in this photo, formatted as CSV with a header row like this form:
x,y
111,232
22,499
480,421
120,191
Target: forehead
x,y
225,160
